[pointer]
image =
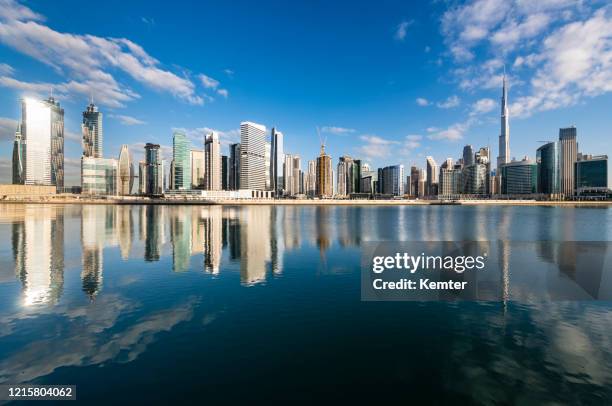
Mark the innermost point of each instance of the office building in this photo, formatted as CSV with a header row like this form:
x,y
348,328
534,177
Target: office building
x,y
277,160
212,161
591,174
451,181
225,172
325,176
154,170
92,132
181,162
391,180
432,176
99,176
197,168
252,156
547,160
125,172
519,177
42,131
568,153
475,179
504,134
342,177
18,157
234,177
468,155
311,178
142,177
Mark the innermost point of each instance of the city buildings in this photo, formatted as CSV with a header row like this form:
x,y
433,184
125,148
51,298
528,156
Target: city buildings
x,y
311,178
432,177
181,162
547,159
591,175
468,155
325,177
92,132
99,176
18,157
451,181
252,156
568,153
391,180
212,161
42,134
277,160
234,176
504,135
153,171
225,172
125,172
519,177
197,168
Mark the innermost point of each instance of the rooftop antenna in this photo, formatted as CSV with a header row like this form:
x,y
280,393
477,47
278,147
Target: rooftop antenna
x,y
321,140
91,100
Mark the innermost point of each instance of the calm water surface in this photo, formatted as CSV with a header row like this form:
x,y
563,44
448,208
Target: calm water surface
x,y
221,304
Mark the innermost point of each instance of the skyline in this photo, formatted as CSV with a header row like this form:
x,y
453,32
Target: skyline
x,y
384,113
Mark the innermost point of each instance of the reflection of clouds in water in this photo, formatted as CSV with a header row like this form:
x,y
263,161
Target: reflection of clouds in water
x,y
89,340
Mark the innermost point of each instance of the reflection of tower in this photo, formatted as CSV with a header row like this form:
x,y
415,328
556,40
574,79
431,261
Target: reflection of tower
x,y
180,235
277,246
323,221
212,223
93,235
151,233
125,225
41,264
233,230
254,244
291,226
197,231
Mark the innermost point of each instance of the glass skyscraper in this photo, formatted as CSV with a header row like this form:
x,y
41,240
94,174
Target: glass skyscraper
x,y
154,172
252,156
592,173
18,158
181,156
519,178
91,129
277,160
547,159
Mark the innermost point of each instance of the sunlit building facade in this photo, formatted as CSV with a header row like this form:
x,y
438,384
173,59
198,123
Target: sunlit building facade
x,y
181,161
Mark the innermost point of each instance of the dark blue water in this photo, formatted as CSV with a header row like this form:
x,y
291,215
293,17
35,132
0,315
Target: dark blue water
x,y
227,304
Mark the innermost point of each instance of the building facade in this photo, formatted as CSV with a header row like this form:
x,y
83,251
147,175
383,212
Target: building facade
x,y
568,154
154,170
432,177
277,161
125,174
181,161
547,160
212,161
234,177
591,174
92,132
519,177
325,177
99,176
197,168
252,156
18,158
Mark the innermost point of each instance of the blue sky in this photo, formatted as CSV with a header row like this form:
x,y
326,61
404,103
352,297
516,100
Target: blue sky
x,y
388,82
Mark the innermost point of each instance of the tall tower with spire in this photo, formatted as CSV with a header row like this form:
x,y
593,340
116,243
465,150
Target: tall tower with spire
x,y
92,131
504,135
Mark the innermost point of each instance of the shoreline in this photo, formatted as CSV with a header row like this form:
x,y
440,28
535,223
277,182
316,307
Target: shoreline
x,y
304,202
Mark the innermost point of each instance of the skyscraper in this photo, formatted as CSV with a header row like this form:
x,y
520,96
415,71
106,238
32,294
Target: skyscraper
x,y
225,171
18,158
341,173
234,177
42,131
392,181
154,172
252,156
91,129
519,177
547,159
432,176
504,135
197,168
468,155
277,160
181,158
324,181
126,171
568,154
311,178
212,159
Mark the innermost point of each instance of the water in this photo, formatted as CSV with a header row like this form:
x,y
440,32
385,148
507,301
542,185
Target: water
x,y
222,304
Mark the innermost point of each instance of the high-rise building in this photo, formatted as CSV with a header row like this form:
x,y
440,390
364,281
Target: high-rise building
x,y
126,171
197,168
591,174
414,181
212,159
475,179
325,177
234,177
341,173
468,155
519,177
154,171
42,131
432,176
142,177
181,160
18,157
547,159
91,129
568,154
311,178
504,134
391,179
277,160
451,181
99,176
252,156
225,172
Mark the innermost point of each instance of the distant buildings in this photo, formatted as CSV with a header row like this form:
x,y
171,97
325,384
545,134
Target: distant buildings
x,y
293,175
234,176
391,180
212,161
181,161
519,177
277,160
311,178
125,172
197,168
225,172
99,176
568,153
432,177
153,172
591,174
252,156
504,135
18,158
547,159
325,177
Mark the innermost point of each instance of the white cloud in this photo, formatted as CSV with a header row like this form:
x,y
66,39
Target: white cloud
x,y
88,59
375,147
11,10
196,135
6,69
337,130
452,133
8,126
483,106
450,102
401,30
410,143
421,101
229,72
208,82
223,92
127,120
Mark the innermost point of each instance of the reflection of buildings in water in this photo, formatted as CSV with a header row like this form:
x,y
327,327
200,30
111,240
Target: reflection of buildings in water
x,y
95,222
322,222
180,237
212,222
584,263
277,244
125,229
232,220
255,251
154,231
38,248
503,253
291,222
197,231
349,220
